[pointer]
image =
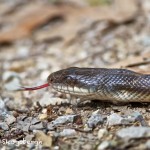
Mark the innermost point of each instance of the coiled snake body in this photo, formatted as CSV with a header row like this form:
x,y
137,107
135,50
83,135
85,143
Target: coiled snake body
x,y
116,85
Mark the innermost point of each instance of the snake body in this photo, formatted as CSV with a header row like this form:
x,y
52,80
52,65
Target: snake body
x,y
116,85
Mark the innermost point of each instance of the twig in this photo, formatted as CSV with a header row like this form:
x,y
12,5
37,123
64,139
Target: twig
x,y
138,64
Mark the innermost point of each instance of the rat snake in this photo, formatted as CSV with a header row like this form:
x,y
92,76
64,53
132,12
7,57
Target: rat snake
x,y
115,85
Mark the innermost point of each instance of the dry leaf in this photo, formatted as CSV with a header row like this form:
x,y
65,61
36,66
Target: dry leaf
x,y
76,19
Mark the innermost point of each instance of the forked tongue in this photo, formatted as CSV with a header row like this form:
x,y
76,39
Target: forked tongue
x,y
33,88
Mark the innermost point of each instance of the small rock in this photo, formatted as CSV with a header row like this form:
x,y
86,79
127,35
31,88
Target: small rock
x,y
56,147
3,110
23,125
145,40
2,105
4,126
34,120
29,137
69,111
10,119
147,144
87,146
104,145
66,119
47,99
45,140
38,126
94,120
101,133
44,111
11,80
42,116
68,132
86,128
138,117
134,132
44,75
96,112
115,119
50,126
29,123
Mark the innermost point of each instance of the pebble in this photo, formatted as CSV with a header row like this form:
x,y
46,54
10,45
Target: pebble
x,y
138,117
2,105
101,133
94,120
145,40
23,51
134,132
3,110
116,119
29,137
29,123
68,132
37,126
147,144
104,145
47,99
86,128
11,80
66,119
42,116
4,126
10,119
87,146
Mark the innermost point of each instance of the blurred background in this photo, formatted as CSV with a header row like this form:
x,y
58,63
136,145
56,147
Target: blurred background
x,y
39,37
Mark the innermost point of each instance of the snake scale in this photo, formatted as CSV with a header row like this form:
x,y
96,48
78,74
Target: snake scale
x,y
115,85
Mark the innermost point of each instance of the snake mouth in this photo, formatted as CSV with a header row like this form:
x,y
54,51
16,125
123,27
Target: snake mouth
x,y
72,90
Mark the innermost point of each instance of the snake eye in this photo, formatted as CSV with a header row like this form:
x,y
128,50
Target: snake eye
x,y
69,79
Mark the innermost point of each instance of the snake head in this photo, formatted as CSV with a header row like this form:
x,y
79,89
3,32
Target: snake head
x,y
72,81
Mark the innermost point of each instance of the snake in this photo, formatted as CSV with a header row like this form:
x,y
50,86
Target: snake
x,y
105,84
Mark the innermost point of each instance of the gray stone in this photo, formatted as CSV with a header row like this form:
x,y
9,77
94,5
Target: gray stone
x,y
115,119
3,110
138,117
145,40
68,132
147,144
94,120
134,132
29,123
47,99
38,126
10,119
11,80
65,119
2,105
4,126
50,126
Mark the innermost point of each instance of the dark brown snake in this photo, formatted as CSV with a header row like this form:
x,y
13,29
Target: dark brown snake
x,y
116,85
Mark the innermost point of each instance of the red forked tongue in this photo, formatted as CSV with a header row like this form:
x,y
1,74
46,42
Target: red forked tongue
x,y
34,88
